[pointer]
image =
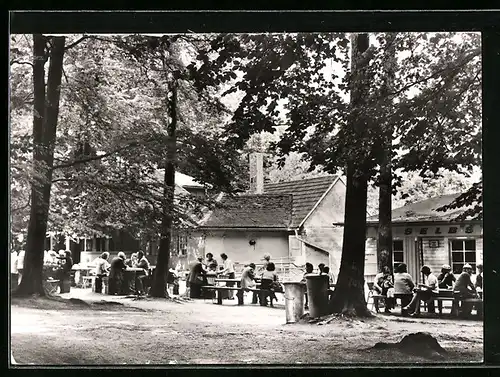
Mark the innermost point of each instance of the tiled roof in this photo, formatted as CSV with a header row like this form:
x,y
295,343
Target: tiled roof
x,y
424,210
252,211
306,193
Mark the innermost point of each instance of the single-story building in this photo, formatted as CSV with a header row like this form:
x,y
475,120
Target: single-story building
x,y
291,221
424,236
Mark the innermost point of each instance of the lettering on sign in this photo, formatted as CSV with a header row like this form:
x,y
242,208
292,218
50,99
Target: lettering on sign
x,y
408,231
469,229
438,230
452,229
433,244
423,230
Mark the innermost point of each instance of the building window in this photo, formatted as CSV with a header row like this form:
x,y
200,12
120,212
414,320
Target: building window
x,y
463,251
179,244
397,253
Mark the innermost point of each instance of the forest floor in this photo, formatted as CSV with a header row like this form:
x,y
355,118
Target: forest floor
x,y
121,330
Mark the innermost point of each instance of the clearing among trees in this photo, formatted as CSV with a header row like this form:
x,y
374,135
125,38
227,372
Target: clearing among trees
x,y
155,331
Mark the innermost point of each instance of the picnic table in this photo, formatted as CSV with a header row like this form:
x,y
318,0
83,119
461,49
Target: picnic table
x,y
130,276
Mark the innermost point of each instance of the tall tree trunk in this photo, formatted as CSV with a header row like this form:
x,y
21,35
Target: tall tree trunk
x,y
46,111
384,239
348,297
159,288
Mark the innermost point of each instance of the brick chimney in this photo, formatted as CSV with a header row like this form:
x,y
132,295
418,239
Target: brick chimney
x,y
256,165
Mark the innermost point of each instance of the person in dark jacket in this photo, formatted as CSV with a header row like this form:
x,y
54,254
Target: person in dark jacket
x,y
446,277
115,279
195,279
65,272
269,282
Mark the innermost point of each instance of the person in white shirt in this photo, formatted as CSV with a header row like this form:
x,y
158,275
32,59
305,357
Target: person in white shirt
x,y
101,270
20,266
228,269
13,268
424,292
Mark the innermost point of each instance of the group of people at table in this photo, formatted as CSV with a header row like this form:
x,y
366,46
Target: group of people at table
x,y
60,263
461,287
202,270
265,277
115,271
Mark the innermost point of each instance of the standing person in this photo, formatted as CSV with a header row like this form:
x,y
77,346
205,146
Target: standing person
x,y
195,279
65,272
116,274
101,270
383,282
247,279
479,277
465,289
424,292
228,269
267,259
13,269
210,262
331,277
403,285
446,277
309,270
142,263
20,266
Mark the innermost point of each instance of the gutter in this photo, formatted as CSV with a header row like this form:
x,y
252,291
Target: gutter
x,y
421,222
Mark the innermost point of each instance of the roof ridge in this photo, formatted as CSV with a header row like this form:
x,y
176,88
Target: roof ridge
x,y
332,176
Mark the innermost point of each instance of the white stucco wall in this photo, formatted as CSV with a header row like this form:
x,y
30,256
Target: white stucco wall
x,y
319,229
236,245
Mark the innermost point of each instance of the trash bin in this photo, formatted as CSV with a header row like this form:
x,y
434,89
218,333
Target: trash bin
x,y
294,301
317,292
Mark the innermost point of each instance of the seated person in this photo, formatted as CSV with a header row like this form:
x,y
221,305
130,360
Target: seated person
x,y
464,288
403,285
446,277
142,263
116,277
382,284
269,281
424,292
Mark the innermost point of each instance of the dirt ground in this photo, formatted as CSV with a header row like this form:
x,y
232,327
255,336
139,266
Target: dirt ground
x,y
154,331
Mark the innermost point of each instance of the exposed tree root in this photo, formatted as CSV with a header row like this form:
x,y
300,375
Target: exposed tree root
x,y
420,344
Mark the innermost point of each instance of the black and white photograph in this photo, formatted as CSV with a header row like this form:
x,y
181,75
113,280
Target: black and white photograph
x,y
259,198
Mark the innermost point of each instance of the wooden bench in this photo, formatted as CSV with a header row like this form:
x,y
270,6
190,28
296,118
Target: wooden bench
x,y
376,297
456,304
219,292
